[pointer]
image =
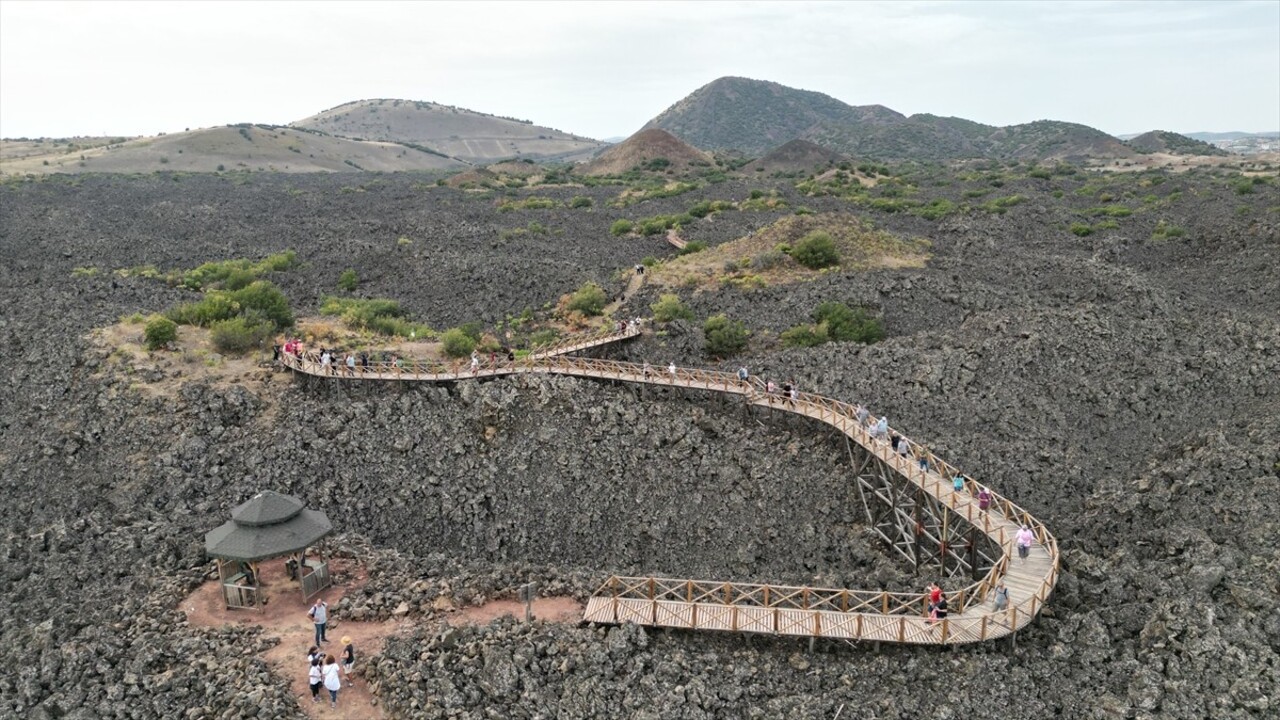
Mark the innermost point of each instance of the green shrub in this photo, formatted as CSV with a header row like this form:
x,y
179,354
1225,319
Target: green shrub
x,y
160,331
817,250
347,280
378,315
998,206
935,210
581,201
264,300
696,246
240,334
724,337
1165,230
236,274
804,336
845,324
215,306
1081,229
457,343
669,307
649,261
588,300
621,227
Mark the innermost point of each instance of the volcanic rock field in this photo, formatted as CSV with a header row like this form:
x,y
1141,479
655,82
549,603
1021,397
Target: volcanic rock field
x,y
1122,388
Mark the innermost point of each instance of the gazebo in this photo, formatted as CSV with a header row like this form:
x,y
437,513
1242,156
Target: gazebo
x,y
269,525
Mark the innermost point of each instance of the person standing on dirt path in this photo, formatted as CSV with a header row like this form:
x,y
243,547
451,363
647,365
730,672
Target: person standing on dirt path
x,y
315,677
348,657
332,679
319,615
1025,539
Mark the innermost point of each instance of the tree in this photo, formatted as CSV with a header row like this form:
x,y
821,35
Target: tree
x,y
724,337
348,280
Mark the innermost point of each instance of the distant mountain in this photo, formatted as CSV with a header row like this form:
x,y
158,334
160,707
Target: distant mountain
x,y
1163,141
652,149
1233,135
754,115
472,137
797,156
233,147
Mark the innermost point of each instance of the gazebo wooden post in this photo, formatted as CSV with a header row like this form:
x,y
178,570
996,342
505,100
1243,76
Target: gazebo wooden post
x,y
301,558
257,586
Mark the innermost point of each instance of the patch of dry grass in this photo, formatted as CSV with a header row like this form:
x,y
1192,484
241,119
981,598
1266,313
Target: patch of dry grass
x,y
755,261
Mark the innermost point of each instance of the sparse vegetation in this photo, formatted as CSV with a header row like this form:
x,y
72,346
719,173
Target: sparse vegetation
x,y
835,322
724,337
1165,230
348,281
240,334
377,315
670,307
581,201
692,247
621,227
236,274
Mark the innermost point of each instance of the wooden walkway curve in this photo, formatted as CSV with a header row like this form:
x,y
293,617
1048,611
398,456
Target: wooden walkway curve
x,y
870,615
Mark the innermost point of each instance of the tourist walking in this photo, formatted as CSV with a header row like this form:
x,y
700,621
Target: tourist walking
x,y
672,369
348,657
645,370
1025,539
957,482
332,679
319,615
315,677
880,430
1002,597
984,499
743,375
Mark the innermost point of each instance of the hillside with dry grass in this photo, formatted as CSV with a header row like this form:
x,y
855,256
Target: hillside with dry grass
x,y
652,149
762,257
473,137
238,147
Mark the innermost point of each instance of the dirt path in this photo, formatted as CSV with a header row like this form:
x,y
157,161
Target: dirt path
x,y
633,285
285,617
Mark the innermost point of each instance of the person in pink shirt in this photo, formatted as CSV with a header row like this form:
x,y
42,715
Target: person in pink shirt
x,y
1025,540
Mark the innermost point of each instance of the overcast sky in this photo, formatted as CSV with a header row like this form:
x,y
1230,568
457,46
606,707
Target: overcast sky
x,y
603,69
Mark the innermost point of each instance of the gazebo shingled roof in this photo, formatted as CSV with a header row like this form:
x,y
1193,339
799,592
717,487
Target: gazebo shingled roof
x,y
266,508
269,525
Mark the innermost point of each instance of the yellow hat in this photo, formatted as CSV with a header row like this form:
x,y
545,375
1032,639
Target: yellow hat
x,y
346,640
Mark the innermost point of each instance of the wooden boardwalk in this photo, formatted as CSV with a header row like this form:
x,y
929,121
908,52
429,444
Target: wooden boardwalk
x,y
870,615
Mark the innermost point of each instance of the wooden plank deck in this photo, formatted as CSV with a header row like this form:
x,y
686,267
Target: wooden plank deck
x,y
737,607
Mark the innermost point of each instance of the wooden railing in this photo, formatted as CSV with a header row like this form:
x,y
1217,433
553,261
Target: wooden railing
x,y
998,522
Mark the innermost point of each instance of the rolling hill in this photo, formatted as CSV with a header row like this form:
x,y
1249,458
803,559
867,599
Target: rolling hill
x,y
472,137
233,147
1163,141
797,156
651,149
754,115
